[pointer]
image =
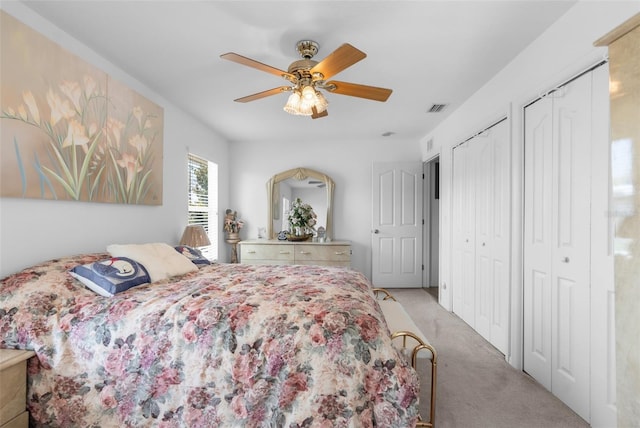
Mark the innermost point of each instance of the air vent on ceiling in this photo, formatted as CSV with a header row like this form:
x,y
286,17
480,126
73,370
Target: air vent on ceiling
x,y
437,108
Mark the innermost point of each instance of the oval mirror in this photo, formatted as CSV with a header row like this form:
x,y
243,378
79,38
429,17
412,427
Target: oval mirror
x,y
312,187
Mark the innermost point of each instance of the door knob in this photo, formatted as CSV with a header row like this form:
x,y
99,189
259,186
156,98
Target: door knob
x,y
565,260
376,231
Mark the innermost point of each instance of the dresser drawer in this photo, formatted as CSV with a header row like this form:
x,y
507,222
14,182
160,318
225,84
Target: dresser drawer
x,y
333,253
253,252
336,253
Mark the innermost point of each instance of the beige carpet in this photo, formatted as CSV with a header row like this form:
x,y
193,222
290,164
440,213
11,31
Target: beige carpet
x,y
476,387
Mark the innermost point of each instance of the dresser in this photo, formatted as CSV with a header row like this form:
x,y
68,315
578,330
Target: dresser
x,y
13,388
272,252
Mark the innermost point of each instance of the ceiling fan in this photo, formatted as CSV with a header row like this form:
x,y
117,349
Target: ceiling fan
x,y
307,77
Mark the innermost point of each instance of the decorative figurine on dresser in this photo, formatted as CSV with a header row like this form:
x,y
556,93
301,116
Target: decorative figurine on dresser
x,y
232,226
299,223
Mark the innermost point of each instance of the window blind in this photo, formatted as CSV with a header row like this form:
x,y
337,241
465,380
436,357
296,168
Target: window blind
x,y
203,200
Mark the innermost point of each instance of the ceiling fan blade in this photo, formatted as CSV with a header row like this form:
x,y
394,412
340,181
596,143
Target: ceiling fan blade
x,y
356,90
317,115
257,65
263,94
343,57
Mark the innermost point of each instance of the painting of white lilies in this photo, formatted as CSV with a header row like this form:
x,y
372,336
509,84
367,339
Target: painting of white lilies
x,y
69,131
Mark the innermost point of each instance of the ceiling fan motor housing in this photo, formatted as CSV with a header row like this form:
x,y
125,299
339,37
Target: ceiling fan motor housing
x,y
301,68
307,48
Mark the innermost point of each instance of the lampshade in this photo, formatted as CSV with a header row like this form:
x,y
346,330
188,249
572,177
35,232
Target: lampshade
x,y
292,103
308,94
195,236
304,108
321,102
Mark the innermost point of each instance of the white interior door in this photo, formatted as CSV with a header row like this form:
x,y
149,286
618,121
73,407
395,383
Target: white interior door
x,y
493,231
501,236
482,228
459,161
572,246
557,243
538,240
464,235
483,181
396,238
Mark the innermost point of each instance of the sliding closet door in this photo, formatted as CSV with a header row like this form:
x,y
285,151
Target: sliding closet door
x,y
499,242
557,243
481,196
538,240
464,200
483,179
572,247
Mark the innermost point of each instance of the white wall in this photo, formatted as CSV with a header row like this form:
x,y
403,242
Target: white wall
x,y
563,51
348,163
33,230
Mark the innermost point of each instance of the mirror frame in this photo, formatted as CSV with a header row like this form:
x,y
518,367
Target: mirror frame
x,y
299,174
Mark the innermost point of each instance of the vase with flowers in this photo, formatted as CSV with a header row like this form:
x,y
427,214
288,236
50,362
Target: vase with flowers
x,y
302,221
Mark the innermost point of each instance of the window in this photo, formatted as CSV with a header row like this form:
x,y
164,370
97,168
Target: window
x,y
286,206
203,200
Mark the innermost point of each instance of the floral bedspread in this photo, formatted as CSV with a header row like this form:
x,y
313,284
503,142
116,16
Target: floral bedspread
x,y
229,345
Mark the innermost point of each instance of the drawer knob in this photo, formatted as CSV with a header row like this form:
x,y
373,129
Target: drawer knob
x,y
251,252
339,253
305,252
284,252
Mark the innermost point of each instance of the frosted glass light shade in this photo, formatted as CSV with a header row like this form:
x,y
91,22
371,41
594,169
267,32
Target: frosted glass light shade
x,y
308,94
292,103
321,102
302,103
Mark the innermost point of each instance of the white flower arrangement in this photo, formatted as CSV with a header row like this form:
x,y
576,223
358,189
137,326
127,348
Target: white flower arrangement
x,y
301,216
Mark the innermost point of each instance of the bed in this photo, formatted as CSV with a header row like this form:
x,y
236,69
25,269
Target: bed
x,y
224,345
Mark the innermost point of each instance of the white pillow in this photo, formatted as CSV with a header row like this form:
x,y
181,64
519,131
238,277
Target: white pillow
x,y
161,260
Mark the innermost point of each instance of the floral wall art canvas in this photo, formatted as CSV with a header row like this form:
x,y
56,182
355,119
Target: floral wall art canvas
x,y
69,131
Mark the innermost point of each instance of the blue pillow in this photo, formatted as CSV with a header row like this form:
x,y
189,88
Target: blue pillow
x,y
111,276
193,254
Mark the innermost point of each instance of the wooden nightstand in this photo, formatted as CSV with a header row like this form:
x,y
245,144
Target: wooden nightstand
x,y
13,388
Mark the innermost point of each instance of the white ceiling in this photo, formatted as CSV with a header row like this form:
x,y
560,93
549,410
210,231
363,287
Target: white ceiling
x,y
428,52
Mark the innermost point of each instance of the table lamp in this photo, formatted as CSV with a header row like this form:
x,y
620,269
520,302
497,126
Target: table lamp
x,y
195,236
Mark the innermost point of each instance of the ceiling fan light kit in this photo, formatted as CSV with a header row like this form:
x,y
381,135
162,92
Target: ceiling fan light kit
x,y
308,102
308,77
